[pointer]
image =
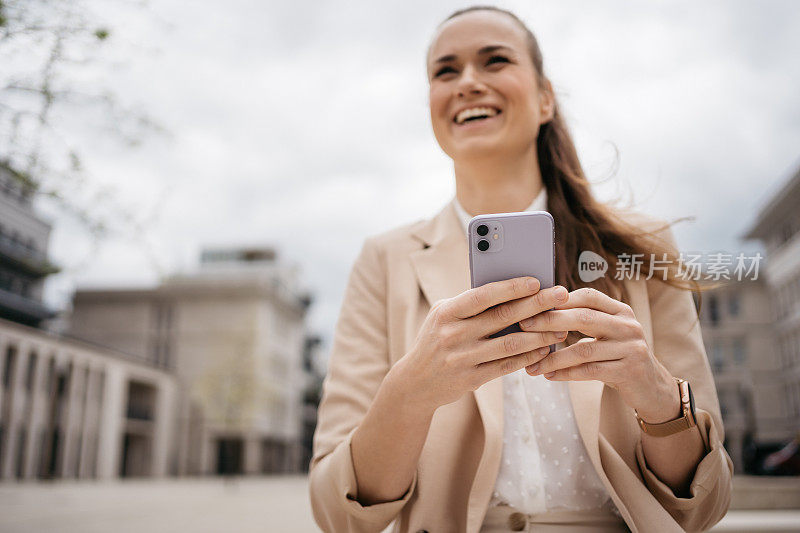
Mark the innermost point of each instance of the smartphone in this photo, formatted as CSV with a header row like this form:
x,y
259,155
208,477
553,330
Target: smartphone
x,y
511,245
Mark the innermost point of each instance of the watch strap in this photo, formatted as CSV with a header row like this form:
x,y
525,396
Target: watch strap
x,y
682,423
666,428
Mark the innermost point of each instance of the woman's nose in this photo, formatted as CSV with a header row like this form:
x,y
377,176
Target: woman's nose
x,y
469,83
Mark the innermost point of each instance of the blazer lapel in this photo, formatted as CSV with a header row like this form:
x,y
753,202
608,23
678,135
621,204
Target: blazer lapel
x,y
442,269
442,266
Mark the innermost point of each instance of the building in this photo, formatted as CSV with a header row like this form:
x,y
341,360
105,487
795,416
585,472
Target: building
x,y
232,334
751,329
777,226
67,408
738,334
203,374
23,252
72,410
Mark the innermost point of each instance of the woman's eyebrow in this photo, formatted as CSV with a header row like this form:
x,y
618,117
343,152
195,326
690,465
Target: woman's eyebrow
x,y
493,48
483,51
446,59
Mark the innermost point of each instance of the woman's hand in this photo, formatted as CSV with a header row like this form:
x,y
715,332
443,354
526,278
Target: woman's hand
x,y
616,353
453,353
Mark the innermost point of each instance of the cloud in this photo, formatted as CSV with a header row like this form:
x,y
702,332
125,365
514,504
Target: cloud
x,y
308,128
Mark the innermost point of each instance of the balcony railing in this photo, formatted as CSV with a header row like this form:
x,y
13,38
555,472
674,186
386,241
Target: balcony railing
x,y
26,258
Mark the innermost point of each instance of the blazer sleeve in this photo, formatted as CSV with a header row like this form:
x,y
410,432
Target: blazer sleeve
x,y
678,344
358,362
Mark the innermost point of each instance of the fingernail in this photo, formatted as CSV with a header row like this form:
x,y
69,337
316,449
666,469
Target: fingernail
x,y
545,350
549,375
533,284
560,293
533,368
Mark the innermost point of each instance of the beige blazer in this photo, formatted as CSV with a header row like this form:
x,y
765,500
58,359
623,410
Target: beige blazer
x,y
394,281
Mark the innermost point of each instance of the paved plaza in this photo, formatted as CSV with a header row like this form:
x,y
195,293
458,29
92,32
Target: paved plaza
x,y
206,505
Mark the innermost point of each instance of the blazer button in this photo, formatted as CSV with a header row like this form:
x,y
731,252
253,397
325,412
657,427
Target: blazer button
x,y
422,531
517,521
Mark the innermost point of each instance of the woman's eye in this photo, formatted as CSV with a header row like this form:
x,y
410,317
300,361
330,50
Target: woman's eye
x,y
497,59
443,70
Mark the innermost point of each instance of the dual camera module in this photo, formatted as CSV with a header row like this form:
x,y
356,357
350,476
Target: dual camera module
x,y
483,244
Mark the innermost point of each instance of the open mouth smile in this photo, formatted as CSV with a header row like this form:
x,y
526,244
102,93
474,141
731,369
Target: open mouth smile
x,y
475,114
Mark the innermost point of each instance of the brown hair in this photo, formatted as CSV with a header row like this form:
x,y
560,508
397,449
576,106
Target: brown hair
x,y
582,222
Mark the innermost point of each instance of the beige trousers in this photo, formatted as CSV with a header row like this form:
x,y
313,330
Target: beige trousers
x,y
505,518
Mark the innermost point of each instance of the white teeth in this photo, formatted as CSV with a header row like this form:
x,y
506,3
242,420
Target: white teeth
x,y
475,112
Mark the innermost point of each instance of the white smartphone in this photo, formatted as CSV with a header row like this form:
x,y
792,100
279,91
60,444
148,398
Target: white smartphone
x,y
511,245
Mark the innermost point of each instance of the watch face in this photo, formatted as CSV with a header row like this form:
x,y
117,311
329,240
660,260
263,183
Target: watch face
x,y
691,400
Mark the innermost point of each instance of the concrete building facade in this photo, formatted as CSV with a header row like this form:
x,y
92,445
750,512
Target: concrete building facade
x,y
67,409
233,335
203,374
72,410
736,320
778,228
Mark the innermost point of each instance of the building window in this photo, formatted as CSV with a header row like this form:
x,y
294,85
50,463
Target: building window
x,y
733,304
776,297
738,351
717,357
29,373
713,309
11,355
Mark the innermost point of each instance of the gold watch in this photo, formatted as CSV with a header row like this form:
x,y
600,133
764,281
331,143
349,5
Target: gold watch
x,y
685,421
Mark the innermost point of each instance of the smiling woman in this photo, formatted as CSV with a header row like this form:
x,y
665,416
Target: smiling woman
x,y
428,419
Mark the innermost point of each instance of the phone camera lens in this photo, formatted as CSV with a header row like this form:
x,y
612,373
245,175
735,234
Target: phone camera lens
x,y
483,229
483,244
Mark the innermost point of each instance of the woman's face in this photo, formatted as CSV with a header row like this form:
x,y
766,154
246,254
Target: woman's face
x,y
484,96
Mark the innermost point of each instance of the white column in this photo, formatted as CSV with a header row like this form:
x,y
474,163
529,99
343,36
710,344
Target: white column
x,y
90,419
39,401
73,416
112,417
184,434
15,411
164,421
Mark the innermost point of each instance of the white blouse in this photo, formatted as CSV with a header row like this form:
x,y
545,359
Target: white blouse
x,y
544,465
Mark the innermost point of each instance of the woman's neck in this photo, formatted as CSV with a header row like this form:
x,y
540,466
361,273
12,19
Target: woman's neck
x,y
500,185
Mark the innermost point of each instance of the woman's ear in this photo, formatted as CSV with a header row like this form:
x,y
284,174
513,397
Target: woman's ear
x,y
547,102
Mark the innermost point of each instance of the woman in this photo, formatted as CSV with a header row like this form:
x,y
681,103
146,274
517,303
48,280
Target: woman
x,y
414,423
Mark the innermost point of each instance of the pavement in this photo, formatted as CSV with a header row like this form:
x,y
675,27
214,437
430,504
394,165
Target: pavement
x,y
211,505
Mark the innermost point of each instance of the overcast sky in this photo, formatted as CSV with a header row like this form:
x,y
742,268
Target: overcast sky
x,y
305,125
